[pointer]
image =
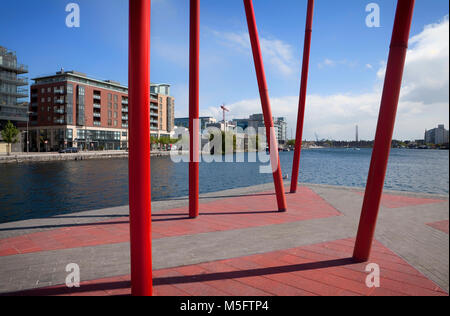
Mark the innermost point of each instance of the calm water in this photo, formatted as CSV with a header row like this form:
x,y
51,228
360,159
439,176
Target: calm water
x,y
45,189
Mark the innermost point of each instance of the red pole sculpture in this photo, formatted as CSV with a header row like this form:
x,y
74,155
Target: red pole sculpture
x,y
139,152
302,101
386,122
265,102
194,108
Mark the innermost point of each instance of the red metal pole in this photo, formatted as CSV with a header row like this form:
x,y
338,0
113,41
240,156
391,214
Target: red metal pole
x,y
302,100
139,152
194,70
265,102
385,129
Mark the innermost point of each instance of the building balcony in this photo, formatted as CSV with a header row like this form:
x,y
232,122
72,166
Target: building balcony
x,y
97,97
59,91
17,68
18,93
59,111
125,102
153,107
125,117
125,125
97,106
59,101
59,121
97,115
124,110
97,123
34,105
15,80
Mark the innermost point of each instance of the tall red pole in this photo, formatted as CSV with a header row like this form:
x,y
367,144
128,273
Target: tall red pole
x,y
265,102
302,100
385,129
194,70
139,151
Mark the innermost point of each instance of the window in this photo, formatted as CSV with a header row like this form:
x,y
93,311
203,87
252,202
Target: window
x,y
115,122
49,99
109,96
109,114
49,89
42,90
109,105
42,100
116,106
109,122
116,98
115,114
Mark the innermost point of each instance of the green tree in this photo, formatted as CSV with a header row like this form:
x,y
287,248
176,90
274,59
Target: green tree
x,y
9,135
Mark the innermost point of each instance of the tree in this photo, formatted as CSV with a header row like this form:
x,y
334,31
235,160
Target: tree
x,y
9,135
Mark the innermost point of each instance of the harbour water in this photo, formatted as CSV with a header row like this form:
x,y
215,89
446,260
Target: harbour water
x,y
45,189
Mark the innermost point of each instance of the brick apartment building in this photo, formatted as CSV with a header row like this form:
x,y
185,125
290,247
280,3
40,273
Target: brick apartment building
x,y
70,109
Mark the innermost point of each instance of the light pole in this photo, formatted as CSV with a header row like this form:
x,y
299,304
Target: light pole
x,y
28,138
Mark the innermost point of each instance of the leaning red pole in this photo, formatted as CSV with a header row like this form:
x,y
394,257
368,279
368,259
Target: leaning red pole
x,y
385,128
139,148
302,100
194,81
265,102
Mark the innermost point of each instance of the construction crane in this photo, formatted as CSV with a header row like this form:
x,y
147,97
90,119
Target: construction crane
x,y
224,110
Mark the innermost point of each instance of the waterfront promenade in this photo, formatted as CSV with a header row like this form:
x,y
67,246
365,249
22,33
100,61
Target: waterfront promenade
x,y
239,245
82,155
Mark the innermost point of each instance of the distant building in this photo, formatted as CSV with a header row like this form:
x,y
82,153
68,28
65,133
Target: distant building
x,y
204,122
12,97
13,102
70,109
256,121
229,126
437,136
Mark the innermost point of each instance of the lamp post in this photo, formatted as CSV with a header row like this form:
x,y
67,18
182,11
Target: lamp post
x,y
28,139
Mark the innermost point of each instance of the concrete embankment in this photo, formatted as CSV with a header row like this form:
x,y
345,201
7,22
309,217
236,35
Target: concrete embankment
x,y
47,157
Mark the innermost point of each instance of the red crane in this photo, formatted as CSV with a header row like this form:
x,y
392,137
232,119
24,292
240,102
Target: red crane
x,y
224,110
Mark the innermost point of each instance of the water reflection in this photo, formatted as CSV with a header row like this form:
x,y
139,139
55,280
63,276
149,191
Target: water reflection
x,y
45,189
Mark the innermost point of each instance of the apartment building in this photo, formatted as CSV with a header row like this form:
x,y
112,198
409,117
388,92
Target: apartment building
x,y
70,109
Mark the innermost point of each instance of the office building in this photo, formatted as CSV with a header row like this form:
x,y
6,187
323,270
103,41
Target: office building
x,y
256,121
437,136
204,122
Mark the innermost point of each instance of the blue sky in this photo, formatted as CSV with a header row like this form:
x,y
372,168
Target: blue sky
x,y
346,55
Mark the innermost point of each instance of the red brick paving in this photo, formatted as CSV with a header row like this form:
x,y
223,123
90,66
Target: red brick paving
x,y
316,270
397,201
252,211
442,226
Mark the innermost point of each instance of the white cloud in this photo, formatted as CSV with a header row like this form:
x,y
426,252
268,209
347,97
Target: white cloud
x,y
333,63
278,55
424,101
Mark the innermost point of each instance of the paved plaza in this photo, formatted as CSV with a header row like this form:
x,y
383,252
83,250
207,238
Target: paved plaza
x,y
240,245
